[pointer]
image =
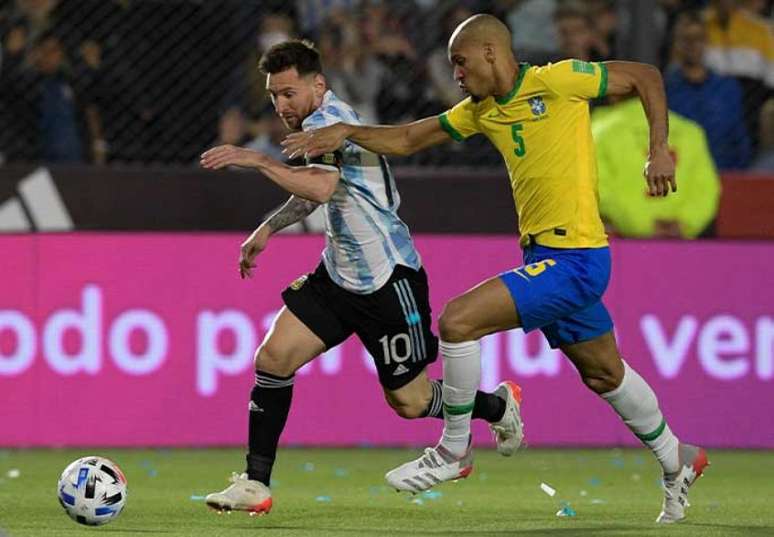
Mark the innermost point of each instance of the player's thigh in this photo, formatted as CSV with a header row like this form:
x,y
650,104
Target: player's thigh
x,y
288,345
412,399
487,308
394,324
308,325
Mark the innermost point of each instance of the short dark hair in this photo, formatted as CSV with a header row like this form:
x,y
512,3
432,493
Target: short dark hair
x,y
297,53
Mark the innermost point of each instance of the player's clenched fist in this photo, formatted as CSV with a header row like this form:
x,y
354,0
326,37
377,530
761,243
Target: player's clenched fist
x,y
230,155
660,173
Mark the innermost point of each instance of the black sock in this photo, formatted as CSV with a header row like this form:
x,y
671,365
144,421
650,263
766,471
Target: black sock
x,y
269,408
487,406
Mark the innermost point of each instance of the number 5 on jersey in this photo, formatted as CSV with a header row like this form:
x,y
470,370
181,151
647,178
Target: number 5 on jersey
x,y
521,149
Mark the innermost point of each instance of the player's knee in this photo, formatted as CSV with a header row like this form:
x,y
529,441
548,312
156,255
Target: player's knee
x,y
603,380
407,407
271,359
454,324
409,410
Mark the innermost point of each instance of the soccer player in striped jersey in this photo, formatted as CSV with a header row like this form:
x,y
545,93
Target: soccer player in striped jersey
x,y
538,118
370,281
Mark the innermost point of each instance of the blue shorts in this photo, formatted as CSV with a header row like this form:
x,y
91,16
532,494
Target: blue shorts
x,y
560,291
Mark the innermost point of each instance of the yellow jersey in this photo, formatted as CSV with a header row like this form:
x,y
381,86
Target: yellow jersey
x,y
542,128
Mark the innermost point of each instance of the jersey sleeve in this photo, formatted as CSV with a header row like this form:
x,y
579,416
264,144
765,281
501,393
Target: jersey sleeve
x,y
325,117
574,79
460,122
327,161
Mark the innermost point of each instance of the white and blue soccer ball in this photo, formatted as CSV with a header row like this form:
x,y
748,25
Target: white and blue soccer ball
x,y
92,490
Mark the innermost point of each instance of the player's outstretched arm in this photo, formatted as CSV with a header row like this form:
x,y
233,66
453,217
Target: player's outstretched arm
x,y
309,182
383,139
625,78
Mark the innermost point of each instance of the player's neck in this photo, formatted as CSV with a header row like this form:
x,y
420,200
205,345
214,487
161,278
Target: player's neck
x,y
505,78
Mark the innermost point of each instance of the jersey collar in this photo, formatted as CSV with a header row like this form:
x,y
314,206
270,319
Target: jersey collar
x,y
505,99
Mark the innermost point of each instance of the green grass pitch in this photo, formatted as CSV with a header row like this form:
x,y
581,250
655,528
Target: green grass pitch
x,y
320,492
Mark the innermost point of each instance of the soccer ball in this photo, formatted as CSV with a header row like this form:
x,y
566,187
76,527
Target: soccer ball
x,y
92,490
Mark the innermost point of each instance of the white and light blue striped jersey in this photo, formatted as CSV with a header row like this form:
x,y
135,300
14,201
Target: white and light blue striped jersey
x,y
364,237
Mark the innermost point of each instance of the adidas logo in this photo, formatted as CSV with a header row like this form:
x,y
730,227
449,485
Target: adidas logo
x,y
401,369
38,207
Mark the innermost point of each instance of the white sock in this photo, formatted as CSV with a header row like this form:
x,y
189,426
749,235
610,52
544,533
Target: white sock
x,y
461,377
637,405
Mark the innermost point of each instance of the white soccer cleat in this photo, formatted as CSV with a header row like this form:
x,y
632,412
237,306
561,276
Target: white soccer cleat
x,y
435,466
242,495
509,431
693,461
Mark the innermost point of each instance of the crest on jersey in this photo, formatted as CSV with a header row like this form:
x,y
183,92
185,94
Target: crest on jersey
x,y
537,105
299,282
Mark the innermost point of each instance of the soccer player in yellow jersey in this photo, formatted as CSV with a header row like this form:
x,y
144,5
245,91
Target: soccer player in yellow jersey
x,y
538,118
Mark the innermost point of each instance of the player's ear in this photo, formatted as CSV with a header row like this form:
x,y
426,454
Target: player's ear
x,y
489,53
320,85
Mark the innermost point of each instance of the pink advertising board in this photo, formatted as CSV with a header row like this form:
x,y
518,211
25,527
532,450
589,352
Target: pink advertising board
x,y
147,339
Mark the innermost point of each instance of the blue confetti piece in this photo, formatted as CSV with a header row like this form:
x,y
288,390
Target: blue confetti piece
x,y
341,472
595,481
639,460
566,511
323,499
432,494
195,498
152,472
618,462
308,467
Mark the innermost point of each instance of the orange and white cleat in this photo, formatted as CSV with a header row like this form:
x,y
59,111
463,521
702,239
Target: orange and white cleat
x,y
509,431
693,462
243,494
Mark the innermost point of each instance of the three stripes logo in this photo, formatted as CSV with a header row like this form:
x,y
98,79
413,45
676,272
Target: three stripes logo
x,y
413,319
38,206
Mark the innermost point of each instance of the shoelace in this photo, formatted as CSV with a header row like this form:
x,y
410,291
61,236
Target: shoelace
x,y
235,477
429,459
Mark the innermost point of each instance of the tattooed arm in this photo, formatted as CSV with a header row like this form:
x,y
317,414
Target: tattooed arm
x,y
295,209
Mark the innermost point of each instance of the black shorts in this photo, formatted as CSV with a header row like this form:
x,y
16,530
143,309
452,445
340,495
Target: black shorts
x,y
393,322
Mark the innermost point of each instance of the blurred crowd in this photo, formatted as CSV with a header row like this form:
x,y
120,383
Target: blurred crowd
x,y
152,81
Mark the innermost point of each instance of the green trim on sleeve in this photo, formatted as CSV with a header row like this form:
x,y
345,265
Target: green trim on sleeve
x,y
523,68
451,131
602,80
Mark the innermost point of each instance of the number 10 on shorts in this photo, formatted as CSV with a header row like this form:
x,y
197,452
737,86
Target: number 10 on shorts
x,y
396,349
534,269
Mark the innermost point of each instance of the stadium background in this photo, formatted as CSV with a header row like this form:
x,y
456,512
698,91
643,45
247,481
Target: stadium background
x,y
126,332
118,257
